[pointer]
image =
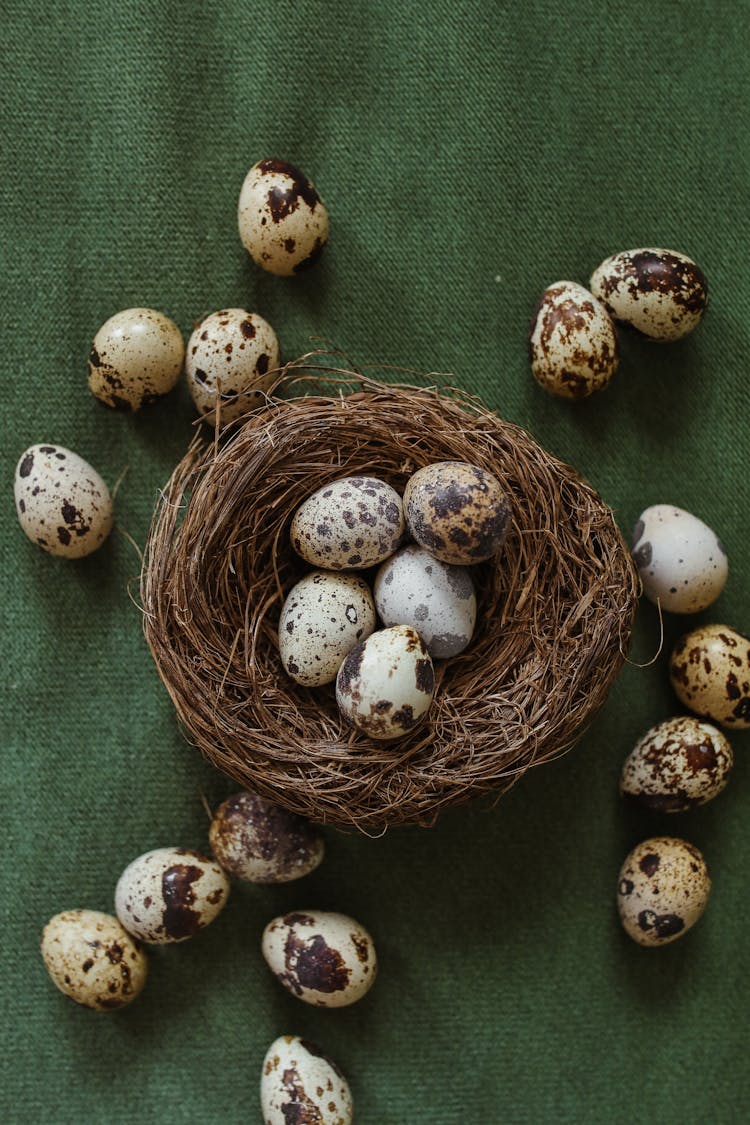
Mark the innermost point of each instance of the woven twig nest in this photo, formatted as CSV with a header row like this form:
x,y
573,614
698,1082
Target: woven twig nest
x,y
555,607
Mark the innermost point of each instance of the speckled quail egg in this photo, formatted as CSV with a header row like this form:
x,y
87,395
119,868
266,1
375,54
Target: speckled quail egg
x,y
458,512
351,523
660,294
662,891
572,343
710,672
93,960
322,619
681,562
322,958
414,588
256,840
169,894
678,764
300,1084
282,220
385,685
63,504
136,358
231,358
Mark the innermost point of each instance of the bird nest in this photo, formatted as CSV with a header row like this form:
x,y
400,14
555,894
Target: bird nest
x,y
555,607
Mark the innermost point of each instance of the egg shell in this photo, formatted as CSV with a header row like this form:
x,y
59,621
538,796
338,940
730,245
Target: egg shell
x,y
169,894
710,672
93,960
385,685
659,294
232,358
256,840
323,958
677,765
681,562
282,220
300,1084
572,343
349,524
135,359
414,588
63,504
322,619
662,891
456,511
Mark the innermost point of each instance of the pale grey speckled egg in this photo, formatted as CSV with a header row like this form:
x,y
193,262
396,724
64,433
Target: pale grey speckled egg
x,y
93,960
322,619
681,562
660,294
63,504
232,357
437,599
385,685
256,840
300,1084
710,672
458,512
136,357
663,890
677,765
282,220
572,343
351,523
169,894
323,958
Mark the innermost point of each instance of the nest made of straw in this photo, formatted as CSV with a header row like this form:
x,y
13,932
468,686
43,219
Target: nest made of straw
x,y
553,625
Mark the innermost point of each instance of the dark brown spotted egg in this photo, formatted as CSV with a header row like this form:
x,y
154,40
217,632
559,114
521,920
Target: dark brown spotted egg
x,y
677,765
282,220
323,958
170,894
232,358
300,1084
681,561
136,357
660,294
349,524
63,504
710,672
256,840
572,343
324,616
456,511
93,960
662,891
385,685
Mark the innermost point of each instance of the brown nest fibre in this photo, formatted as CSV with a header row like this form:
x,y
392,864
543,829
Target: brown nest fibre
x,y
553,624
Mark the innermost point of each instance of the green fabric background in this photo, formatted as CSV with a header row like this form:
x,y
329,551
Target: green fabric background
x,y
469,155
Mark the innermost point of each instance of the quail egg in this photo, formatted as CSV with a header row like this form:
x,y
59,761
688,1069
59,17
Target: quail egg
x,y
437,599
136,358
677,765
256,840
169,894
682,563
232,357
572,343
456,511
282,219
351,523
663,890
300,1084
323,958
660,294
63,504
385,685
710,673
322,619
93,960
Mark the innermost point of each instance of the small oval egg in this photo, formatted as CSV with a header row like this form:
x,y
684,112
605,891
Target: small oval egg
x,y
169,894
93,960
660,294
385,685
232,358
323,958
136,357
662,891
350,523
437,599
322,619
282,220
710,672
456,511
256,840
681,562
572,343
63,504
677,765
300,1084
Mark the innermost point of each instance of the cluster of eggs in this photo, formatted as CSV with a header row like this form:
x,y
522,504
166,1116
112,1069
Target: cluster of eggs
x,y
660,295
457,515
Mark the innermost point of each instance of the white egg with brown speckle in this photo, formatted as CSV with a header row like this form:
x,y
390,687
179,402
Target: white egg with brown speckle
x,y
572,343
282,220
349,524
710,672
663,890
258,841
659,294
681,562
324,616
677,765
63,505
458,512
414,588
301,1084
323,958
135,359
93,960
170,894
232,358
385,685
